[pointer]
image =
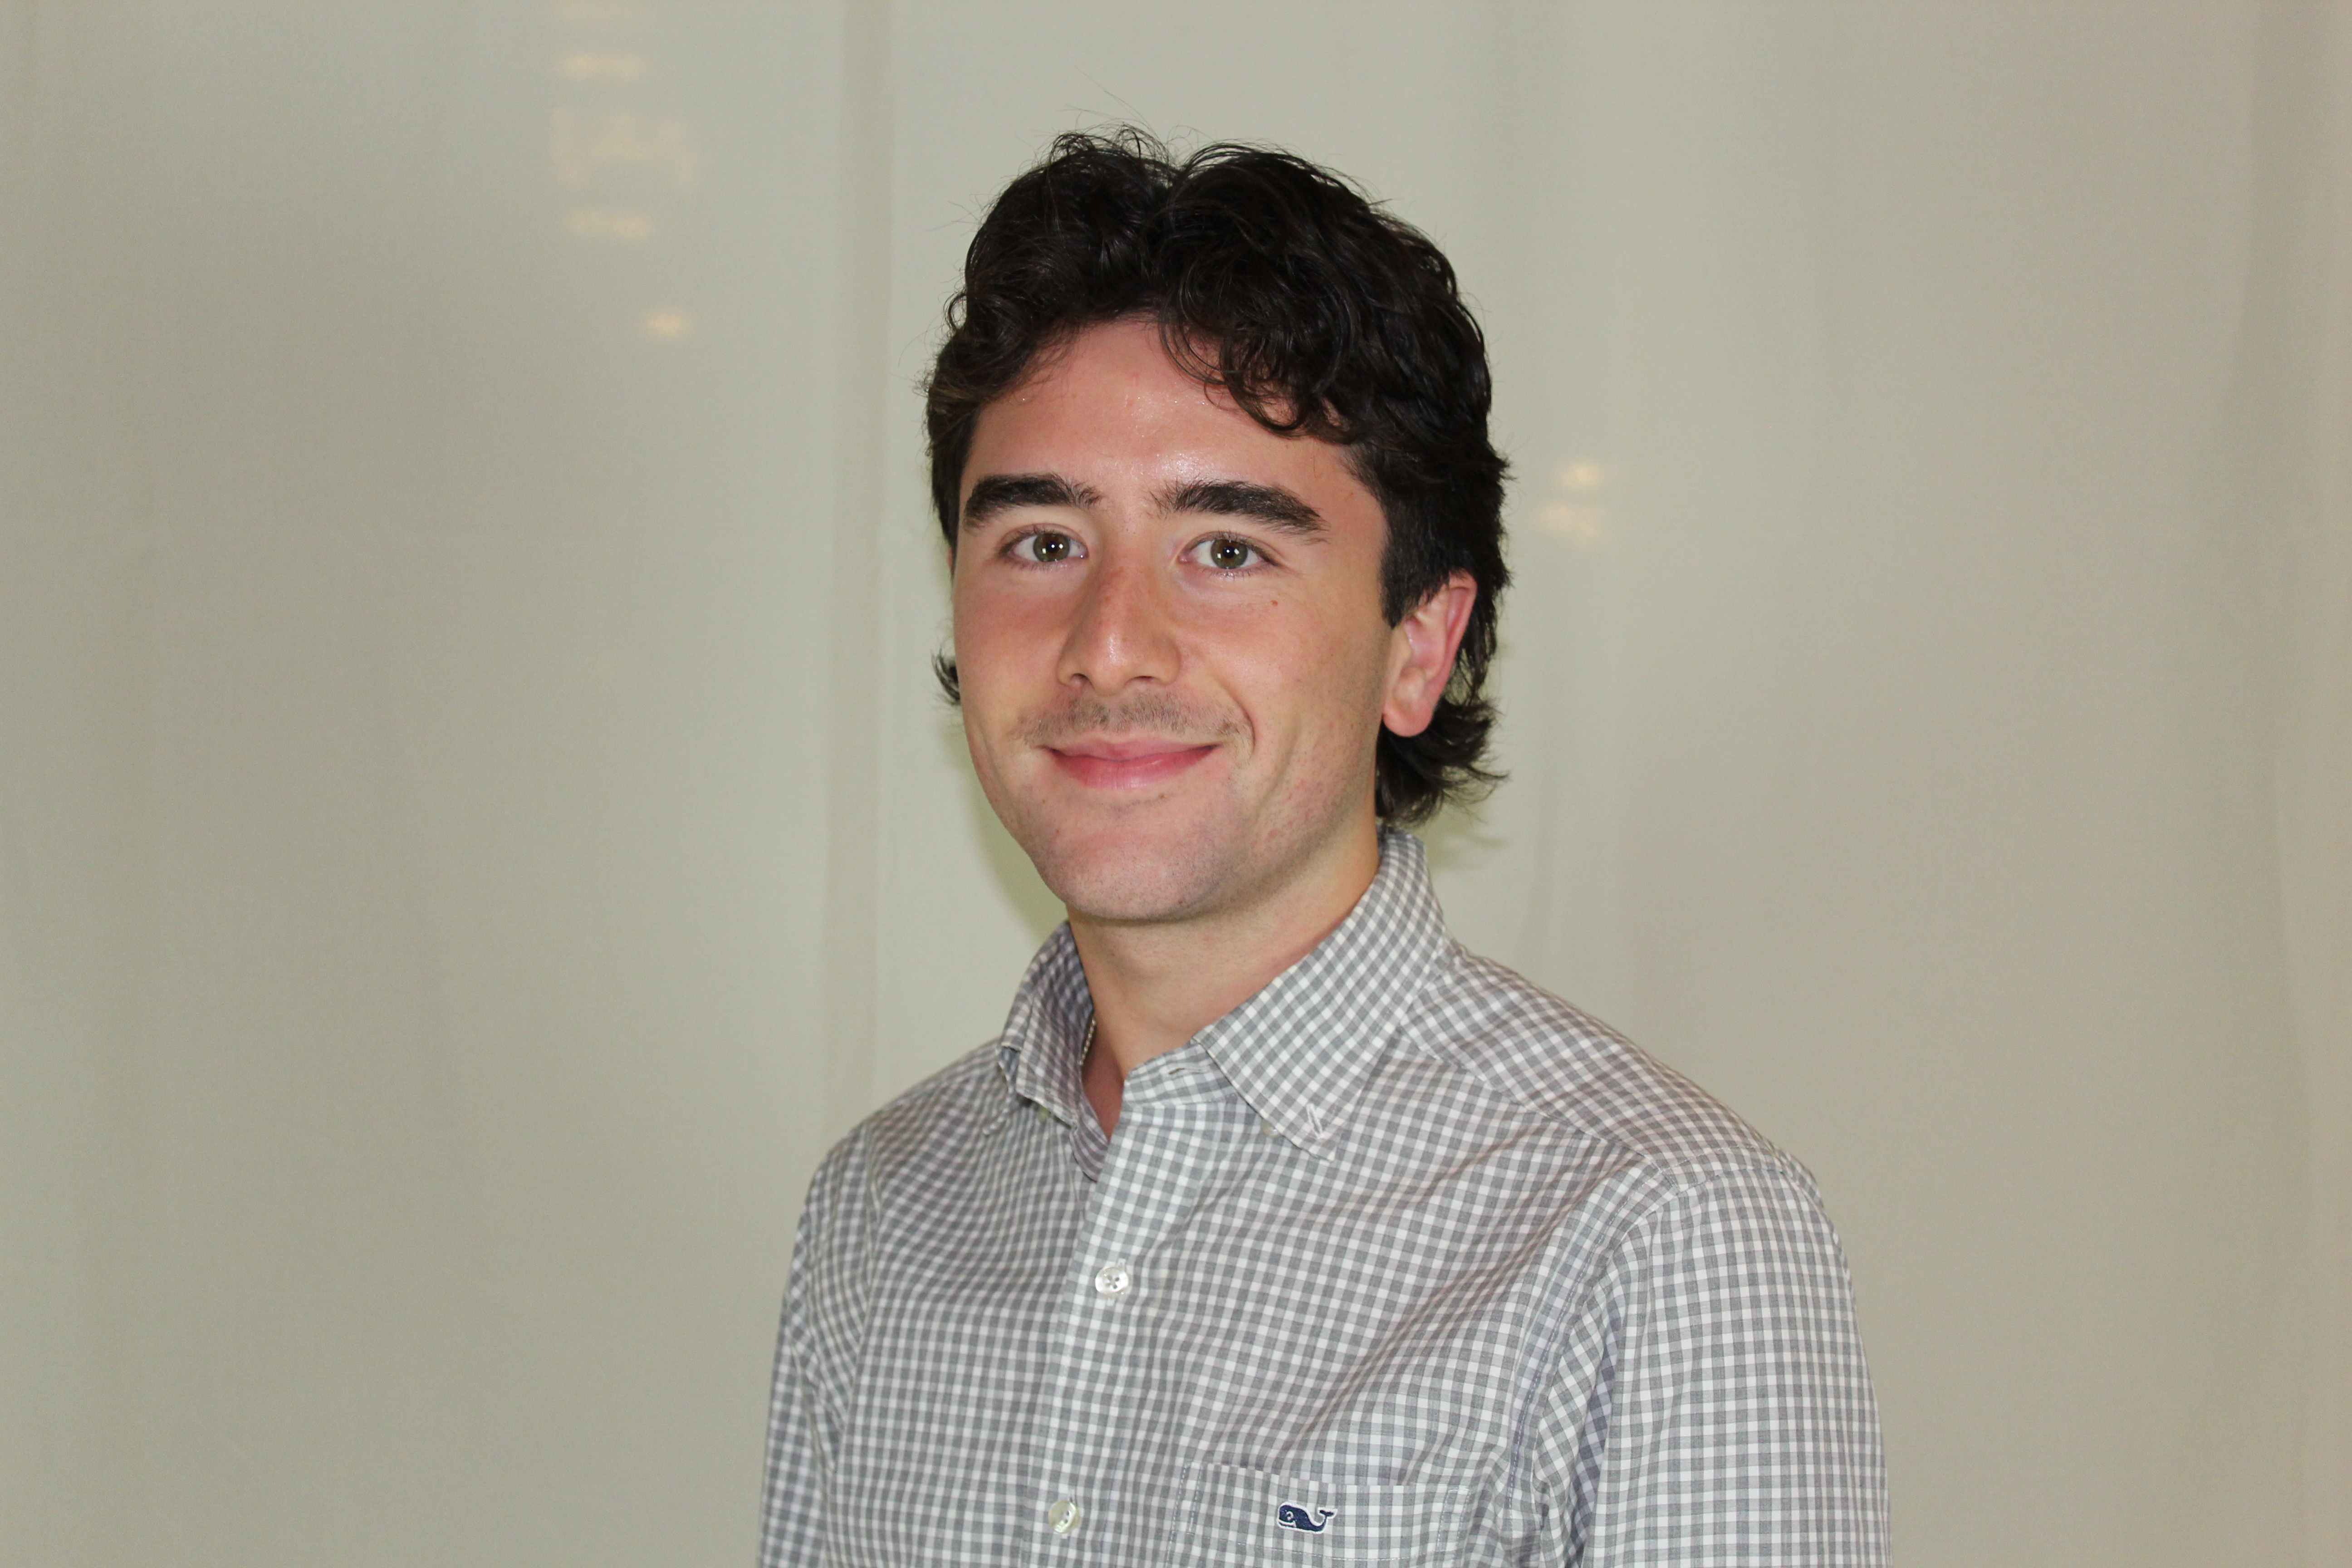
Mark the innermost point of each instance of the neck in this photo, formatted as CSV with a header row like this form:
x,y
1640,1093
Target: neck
x,y
1156,985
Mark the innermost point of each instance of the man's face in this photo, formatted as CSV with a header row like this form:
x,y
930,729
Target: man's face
x,y
1168,627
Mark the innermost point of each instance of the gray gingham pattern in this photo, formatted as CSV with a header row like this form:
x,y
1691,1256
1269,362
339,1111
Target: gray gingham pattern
x,y
1411,1251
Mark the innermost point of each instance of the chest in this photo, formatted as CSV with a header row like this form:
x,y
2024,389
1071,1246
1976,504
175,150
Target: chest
x,y
1224,1349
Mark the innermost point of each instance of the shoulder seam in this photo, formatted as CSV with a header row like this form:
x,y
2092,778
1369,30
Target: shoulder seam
x,y
1683,1170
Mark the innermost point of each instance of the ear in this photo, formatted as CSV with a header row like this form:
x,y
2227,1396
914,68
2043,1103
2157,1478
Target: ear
x,y
1420,654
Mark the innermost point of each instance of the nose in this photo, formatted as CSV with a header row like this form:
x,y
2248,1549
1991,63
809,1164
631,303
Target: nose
x,y
1120,629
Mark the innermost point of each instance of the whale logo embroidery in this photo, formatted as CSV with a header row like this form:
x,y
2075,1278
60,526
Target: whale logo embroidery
x,y
1290,1516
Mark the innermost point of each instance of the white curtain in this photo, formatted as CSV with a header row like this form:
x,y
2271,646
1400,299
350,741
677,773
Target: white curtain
x,y
475,822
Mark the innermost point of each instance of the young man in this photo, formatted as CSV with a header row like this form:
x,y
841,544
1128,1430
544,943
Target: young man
x,y
1275,1227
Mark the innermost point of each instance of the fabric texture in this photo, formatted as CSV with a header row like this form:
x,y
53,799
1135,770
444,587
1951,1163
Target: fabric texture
x,y
1403,1261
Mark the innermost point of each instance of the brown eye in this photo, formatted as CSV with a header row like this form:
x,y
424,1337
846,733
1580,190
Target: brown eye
x,y
1228,554
1045,548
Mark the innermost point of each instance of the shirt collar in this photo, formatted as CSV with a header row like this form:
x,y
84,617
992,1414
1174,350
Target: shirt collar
x,y
1046,1031
1300,1051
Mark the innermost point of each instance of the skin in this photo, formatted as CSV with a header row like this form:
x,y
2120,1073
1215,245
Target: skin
x,y
1175,671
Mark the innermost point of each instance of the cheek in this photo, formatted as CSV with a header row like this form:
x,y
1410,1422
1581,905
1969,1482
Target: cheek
x,y
1321,678
997,637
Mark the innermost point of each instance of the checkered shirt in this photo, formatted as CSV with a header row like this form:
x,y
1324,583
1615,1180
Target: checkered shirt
x,y
1401,1261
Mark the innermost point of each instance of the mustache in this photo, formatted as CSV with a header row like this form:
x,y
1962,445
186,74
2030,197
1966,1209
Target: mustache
x,y
1148,712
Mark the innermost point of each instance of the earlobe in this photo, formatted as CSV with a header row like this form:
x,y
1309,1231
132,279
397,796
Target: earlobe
x,y
1426,640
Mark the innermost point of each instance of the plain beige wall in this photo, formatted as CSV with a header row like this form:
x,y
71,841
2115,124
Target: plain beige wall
x,y
475,822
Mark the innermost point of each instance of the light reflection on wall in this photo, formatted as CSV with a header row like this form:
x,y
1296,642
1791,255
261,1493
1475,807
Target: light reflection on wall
x,y
1574,511
625,167
589,146
587,65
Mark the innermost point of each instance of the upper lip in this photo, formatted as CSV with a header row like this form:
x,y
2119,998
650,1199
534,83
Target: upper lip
x,y
1127,751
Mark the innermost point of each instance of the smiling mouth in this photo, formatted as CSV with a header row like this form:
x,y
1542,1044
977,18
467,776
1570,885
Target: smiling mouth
x,y
1125,765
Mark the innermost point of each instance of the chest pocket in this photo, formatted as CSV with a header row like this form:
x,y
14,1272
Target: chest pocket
x,y
1236,1518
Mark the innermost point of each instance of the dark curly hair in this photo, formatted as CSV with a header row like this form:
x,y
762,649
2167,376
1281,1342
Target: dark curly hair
x,y
1318,314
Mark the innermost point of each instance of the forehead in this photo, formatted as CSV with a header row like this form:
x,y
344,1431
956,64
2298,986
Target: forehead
x,y
1111,408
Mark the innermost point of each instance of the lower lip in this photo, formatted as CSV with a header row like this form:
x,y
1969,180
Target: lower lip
x,y
1128,773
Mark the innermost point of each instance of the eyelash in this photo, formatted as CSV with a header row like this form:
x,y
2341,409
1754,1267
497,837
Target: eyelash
x,y
1257,556
1014,546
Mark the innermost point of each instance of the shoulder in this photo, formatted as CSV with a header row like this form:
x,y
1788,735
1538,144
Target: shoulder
x,y
1550,1059
922,1127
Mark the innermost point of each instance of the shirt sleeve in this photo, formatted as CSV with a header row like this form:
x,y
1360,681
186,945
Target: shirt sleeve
x,y
800,1412
1712,1409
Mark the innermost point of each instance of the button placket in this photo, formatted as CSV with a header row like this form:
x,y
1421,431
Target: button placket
x,y
1163,1151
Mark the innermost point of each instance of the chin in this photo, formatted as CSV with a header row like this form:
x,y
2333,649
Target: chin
x,y
1133,871
1193,850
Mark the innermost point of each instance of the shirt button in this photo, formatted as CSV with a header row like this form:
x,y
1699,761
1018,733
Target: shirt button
x,y
1112,1279
1063,1517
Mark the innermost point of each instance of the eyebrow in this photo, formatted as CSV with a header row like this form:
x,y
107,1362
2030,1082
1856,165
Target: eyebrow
x,y
1268,504
1005,493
